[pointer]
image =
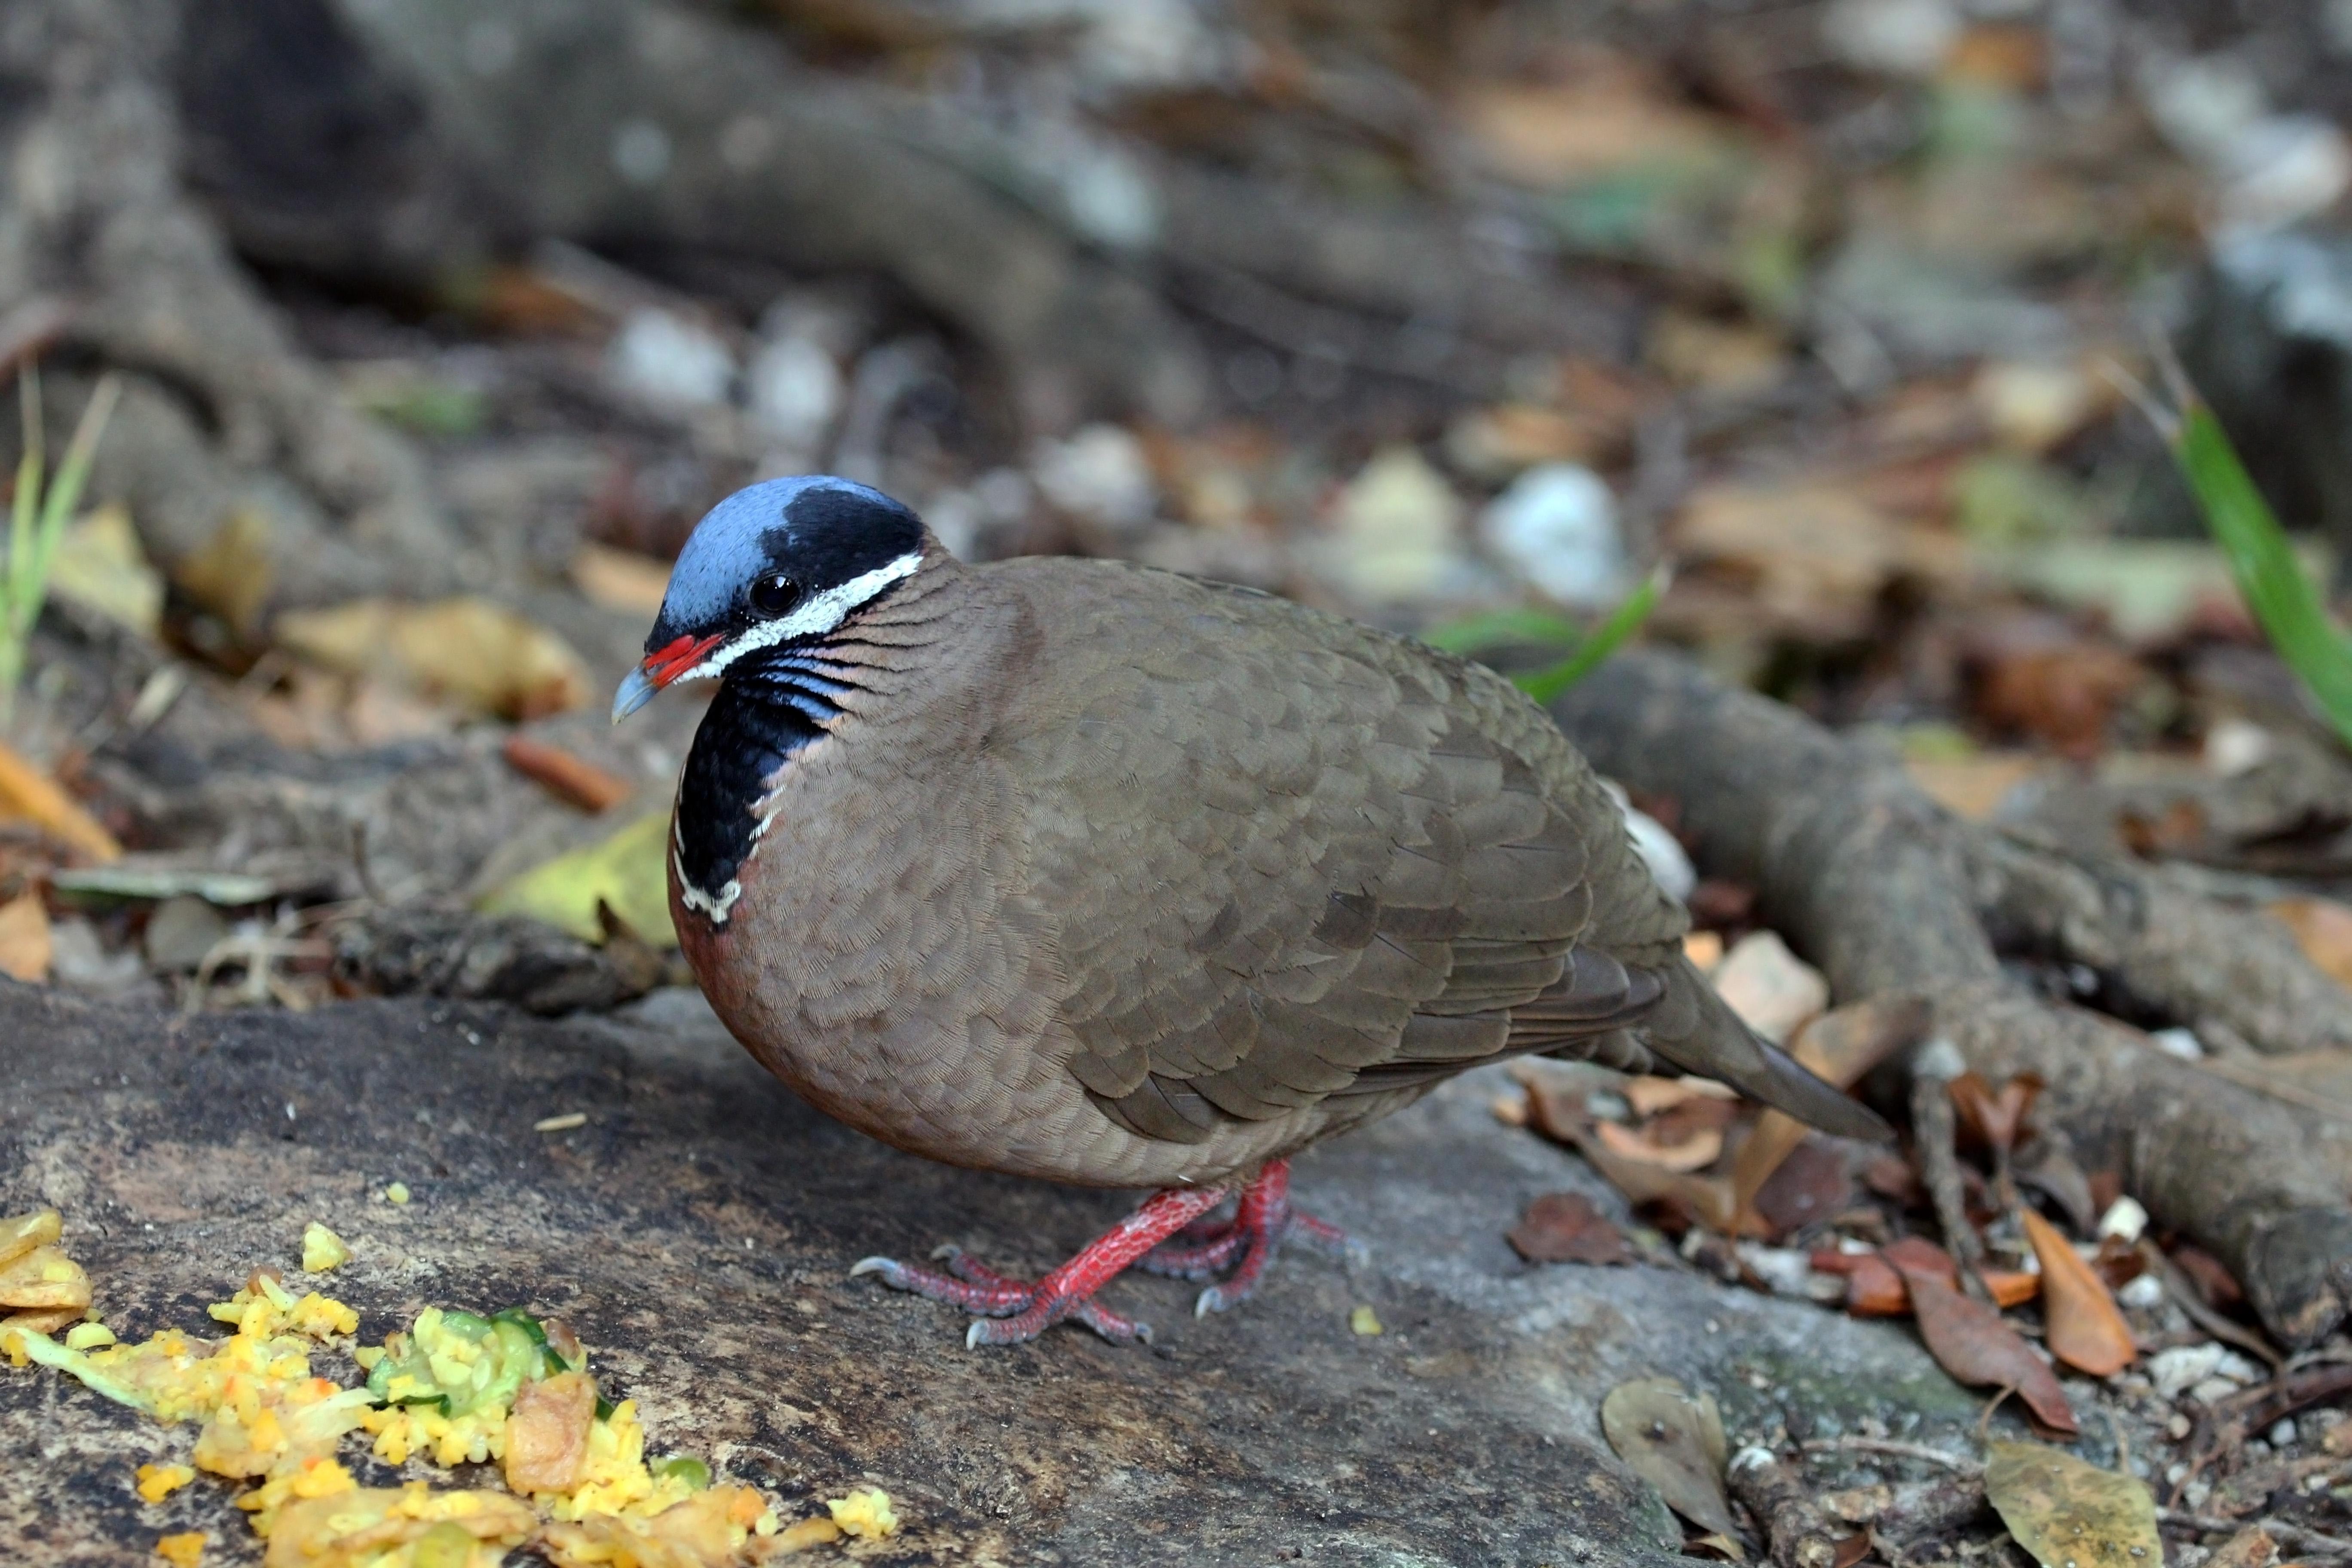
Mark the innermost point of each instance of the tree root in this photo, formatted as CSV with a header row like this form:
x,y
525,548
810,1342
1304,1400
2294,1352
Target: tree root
x,y
1892,895
224,411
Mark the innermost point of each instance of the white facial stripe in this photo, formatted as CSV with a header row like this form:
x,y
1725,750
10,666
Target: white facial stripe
x,y
821,613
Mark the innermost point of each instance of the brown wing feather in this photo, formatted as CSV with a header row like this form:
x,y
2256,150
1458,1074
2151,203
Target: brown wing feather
x,y
1290,858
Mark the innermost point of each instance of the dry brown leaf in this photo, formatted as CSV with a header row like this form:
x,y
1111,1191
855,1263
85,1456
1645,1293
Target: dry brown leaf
x,y
26,947
573,779
2065,696
1812,555
1564,1228
1561,1116
232,575
621,579
1971,787
1840,1046
1771,989
2010,1287
1702,1148
1612,119
1994,1116
27,792
1649,1095
1874,1289
1707,1199
1812,1186
2070,1513
2252,1547
2323,929
467,649
2086,1329
1674,1442
1918,1255
1970,1341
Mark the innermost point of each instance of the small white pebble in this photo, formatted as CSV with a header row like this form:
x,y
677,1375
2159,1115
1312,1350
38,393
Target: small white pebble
x,y
2176,1472
2125,1219
2283,1435
2179,1427
2181,1042
2212,1391
2145,1292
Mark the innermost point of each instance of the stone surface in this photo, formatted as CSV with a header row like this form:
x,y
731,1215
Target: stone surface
x,y
698,1231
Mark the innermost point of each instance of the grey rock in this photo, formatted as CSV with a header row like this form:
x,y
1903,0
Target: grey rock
x,y
698,1231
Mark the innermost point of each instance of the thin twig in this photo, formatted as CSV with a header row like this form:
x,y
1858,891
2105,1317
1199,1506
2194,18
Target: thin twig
x,y
2186,1297
1896,1448
2293,1537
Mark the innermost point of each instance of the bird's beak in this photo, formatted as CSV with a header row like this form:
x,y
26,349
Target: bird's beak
x,y
635,693
675,661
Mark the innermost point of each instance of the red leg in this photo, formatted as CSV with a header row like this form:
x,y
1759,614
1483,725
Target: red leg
x,y
1245,1244
1022,1312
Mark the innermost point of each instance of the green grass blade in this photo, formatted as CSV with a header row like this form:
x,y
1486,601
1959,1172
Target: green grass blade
x,y
1543,685
2281,598
20,535
1497,629
73,474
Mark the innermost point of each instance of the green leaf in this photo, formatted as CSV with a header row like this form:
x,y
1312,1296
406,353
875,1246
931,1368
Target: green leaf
x,y
2285,600
628,872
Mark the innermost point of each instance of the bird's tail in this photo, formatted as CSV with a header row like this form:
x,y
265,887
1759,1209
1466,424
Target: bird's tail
x,y
1697,1030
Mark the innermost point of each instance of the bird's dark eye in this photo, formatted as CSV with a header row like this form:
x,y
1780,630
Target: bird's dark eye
x,y
774,595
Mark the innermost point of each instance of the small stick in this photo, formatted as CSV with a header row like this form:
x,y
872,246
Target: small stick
x,y
1894,1447
2292,1537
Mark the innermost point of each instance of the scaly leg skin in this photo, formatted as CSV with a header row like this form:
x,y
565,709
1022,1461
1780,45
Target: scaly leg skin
x,y
1011,1311
1245,1244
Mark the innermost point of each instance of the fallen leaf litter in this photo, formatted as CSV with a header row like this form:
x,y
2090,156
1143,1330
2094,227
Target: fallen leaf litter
x,y
454,1388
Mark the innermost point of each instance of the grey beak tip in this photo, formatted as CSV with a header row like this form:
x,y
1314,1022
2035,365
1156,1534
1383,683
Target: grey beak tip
x,y
635,693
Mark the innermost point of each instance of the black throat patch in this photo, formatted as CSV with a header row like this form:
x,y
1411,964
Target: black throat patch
x,y
762,716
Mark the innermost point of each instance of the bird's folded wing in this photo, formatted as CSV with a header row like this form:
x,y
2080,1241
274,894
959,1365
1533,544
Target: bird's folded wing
x,y
1304,868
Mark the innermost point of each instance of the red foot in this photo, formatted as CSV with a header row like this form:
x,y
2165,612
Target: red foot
x,y
1012,1311
1261,1221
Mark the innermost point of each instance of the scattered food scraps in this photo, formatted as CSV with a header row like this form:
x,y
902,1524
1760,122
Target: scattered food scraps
x,y
186,1550
563,1123
1363,1320
157,1482
322,1249
454,1387
397,1192
865,1513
